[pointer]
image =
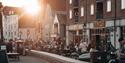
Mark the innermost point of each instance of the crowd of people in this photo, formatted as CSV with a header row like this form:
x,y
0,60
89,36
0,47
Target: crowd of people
x,y
59,46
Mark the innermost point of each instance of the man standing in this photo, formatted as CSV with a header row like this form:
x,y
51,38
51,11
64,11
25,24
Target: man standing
x,y
9,46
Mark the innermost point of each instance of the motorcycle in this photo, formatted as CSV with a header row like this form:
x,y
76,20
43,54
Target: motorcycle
x,y
113,58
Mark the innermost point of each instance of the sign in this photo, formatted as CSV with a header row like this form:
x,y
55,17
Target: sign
x,y
99,24
3,47
3,57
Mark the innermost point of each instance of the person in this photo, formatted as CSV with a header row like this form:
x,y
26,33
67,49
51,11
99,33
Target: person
x,y
9,46
77,47
122,42
83,47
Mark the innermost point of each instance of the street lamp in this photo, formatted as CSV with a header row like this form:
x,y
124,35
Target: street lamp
x,y
1,23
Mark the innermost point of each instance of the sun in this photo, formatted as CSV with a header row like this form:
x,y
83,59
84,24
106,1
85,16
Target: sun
x,y
32,7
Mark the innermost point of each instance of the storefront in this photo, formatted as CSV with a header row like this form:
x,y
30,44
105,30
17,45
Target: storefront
x,y
74,33
98,33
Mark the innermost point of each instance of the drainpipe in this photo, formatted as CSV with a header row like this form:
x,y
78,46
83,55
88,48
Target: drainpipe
x,y
115,17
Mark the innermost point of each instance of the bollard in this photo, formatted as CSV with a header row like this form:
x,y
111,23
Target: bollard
x,y
3,57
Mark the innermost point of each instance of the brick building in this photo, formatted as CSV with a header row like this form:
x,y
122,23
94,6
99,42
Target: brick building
x,y
88,19
54,19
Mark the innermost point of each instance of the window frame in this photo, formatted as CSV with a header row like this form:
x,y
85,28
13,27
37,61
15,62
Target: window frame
x,y
82,11
70,14
70,1
109,6
92,9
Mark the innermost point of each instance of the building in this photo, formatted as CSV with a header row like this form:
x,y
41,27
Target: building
x,y
10,23
59,26
54,21
74,28
95,20
28,28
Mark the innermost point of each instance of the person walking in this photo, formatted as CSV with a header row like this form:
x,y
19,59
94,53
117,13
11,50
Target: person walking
x,y
9,46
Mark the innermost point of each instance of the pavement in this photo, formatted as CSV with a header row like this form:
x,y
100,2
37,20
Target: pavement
x,y
54,58
28,59
44,57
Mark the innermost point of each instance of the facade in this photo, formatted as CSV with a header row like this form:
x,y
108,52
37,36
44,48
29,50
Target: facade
x,y
47,23
10,27
28,28
74,28
10,24
54,21
27,34
59,26
96,18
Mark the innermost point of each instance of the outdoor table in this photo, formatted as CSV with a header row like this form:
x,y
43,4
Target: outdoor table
x,y
13,55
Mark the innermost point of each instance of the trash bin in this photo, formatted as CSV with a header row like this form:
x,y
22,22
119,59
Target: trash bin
x,y
98,57
3,57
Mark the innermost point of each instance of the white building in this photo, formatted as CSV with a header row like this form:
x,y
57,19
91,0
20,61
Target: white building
x,y
10,27
28,28
47,23
27,34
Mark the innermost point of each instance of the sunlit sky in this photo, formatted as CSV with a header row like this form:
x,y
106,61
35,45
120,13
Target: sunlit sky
x,y
19,3
30,6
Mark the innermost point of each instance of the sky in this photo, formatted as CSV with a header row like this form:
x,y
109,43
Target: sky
x,y
30,6
18,3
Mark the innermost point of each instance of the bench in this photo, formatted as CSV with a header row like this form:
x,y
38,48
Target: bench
x,y
13,55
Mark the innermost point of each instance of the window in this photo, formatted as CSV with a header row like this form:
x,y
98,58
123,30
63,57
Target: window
x,y
108,5
70,13
92,9
70,1
82,11
122,4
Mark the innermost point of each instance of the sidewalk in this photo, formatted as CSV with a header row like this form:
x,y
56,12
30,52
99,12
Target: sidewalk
x,y
28,59
56,57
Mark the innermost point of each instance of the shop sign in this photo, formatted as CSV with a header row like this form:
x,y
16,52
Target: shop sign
x,y
99,24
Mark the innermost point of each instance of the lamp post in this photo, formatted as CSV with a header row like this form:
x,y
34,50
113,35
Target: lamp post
x,y
85,24
115,17
1,23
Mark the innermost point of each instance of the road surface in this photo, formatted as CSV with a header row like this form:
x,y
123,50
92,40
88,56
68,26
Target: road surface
x,y
28,59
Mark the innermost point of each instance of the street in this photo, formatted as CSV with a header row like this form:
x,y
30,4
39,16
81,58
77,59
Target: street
x,y
62,31
28,59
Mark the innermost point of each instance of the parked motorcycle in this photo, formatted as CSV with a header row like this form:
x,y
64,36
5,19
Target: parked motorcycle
x,y
113,58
